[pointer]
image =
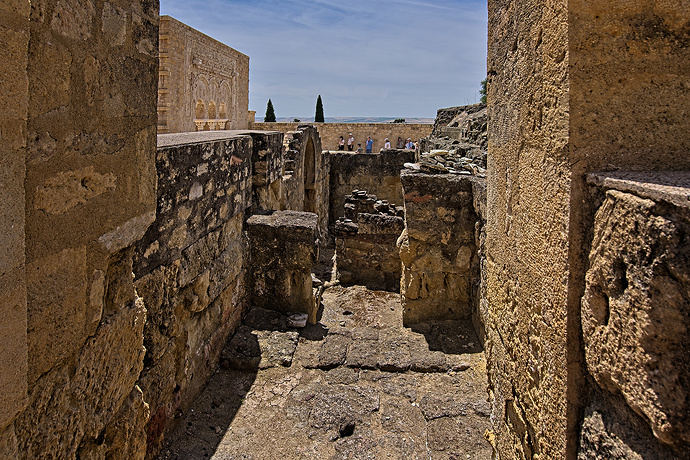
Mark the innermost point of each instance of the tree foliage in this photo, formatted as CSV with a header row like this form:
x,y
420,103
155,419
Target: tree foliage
x,y
318,118
482,91
270,113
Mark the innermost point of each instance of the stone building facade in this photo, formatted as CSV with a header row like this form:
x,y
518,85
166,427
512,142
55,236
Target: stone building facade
x,y
202,83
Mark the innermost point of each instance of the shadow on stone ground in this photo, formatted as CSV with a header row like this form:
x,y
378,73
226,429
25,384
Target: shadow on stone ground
x,y
358,385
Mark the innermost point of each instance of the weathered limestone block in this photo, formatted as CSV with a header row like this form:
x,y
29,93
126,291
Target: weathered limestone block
x,y
13,347
14,98
437,247
59,318
283,249
86,389
8,443
635,308
611,429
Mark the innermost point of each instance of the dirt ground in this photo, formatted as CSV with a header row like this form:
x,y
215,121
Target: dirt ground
x,y
358,385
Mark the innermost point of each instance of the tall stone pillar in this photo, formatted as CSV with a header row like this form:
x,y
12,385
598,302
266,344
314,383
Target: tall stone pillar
x,y
574,87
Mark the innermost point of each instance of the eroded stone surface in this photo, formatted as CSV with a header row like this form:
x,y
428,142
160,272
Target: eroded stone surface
x,y
328,405
635,309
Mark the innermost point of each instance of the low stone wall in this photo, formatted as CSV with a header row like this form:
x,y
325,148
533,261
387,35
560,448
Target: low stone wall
x,y
330,132
190,267
636,316
438,248
365,243
378,174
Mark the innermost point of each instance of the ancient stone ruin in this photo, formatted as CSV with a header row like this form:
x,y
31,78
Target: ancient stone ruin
x,y
245,293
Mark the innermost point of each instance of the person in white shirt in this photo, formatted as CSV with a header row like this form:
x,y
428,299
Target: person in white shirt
x,y
350,142
387,144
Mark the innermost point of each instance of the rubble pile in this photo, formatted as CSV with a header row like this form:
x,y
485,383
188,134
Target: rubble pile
x,y
457,144
360,202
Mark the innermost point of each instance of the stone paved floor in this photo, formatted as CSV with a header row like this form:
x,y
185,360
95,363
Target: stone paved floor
x,y
356,386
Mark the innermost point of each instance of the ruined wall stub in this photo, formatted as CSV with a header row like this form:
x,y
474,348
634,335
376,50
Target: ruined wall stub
x,y
283,250
437,248
378,174
190,268
14,98
573,87
89,193
202,85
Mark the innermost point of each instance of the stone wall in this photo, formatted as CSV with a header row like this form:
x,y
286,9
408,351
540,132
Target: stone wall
x,y
365,242
83,104
202,83
330,132
190,267
574,87
438,248
378,174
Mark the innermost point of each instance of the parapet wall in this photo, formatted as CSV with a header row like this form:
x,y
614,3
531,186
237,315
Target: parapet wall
x,y
330,132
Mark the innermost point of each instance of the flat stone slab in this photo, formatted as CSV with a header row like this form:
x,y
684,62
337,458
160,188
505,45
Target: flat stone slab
x,y
356,385
671,186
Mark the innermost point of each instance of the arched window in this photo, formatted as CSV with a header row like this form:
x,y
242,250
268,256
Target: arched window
x,y
200,110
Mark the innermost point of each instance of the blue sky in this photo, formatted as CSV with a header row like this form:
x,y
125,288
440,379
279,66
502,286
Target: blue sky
x,y
382,58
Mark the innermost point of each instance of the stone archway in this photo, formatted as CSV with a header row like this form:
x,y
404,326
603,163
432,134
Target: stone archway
x,y
310,177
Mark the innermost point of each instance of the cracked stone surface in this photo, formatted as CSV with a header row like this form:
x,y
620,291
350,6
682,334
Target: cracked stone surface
x,y
358,385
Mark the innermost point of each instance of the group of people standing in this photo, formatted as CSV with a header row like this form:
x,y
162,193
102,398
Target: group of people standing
x,y
369,145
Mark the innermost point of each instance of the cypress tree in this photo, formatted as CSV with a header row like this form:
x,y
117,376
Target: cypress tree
x,y
318,118
270,114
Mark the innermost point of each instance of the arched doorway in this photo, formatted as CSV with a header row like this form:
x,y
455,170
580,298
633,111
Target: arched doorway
x,y
310,177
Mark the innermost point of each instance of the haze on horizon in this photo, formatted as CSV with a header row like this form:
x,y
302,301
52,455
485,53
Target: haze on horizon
x,y
383,58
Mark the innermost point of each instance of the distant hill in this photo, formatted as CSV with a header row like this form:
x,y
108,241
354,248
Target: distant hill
x,y
356,120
